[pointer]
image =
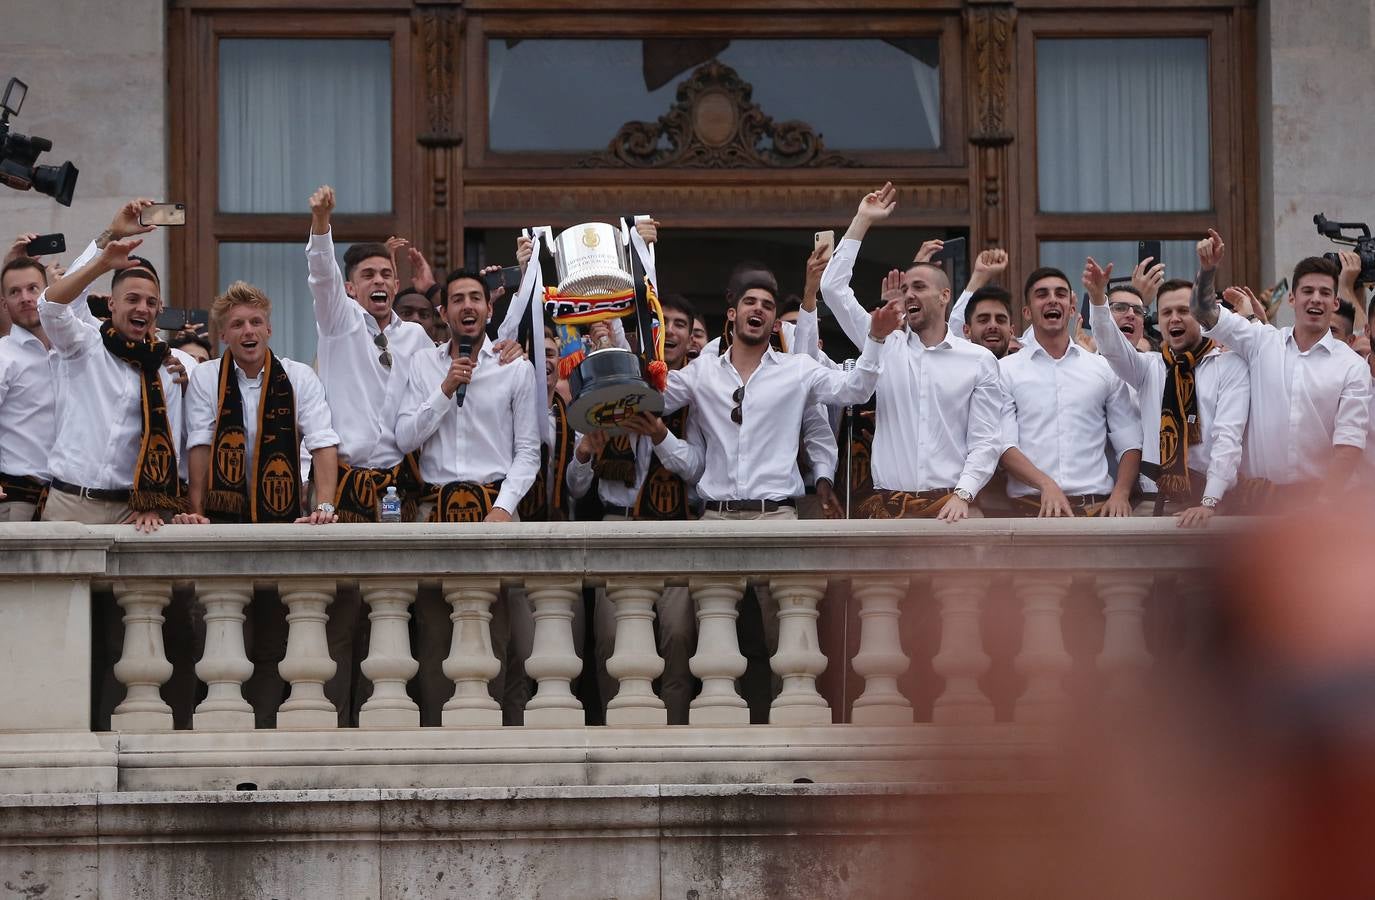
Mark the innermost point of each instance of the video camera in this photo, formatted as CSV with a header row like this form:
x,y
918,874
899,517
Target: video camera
x,y
19,154
1364,244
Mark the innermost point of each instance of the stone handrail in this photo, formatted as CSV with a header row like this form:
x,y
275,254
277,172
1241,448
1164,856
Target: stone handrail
x,y
50,572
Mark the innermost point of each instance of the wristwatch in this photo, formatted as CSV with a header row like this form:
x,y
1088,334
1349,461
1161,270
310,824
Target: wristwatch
x,y
326,508
964,495
1209,503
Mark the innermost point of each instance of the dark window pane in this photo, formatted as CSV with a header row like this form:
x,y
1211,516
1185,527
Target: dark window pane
x,y
574,95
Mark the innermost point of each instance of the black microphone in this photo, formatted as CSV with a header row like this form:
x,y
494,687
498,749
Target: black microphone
x,y
465,350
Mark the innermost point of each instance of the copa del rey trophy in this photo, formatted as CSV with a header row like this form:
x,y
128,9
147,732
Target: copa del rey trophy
x,y
605,273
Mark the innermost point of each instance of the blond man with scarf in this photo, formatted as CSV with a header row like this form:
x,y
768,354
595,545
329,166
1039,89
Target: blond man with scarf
x,y
1195,399
248,415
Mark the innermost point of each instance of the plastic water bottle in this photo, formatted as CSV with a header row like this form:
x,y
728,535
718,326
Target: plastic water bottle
x,y
391,506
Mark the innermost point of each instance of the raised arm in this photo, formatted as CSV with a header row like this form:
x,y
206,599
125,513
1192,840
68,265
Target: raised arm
x,y
988,265
333,314
1204,299
1129,365
837,387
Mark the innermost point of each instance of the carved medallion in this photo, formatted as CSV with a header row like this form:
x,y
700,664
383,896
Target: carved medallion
x,y
715,125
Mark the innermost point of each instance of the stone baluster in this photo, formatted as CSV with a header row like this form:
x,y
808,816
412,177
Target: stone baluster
x,y
224,666
1124,656
471,664
961,659
880,660
799,659
553,661
390,663
636,662
1043,660
307,664
143,667
718,660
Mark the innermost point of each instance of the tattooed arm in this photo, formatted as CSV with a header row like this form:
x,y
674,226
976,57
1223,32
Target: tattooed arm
x,y
1204,300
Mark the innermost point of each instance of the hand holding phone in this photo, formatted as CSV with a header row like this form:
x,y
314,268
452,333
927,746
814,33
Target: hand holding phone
x,y
163,214
46,245
826,240
509,278
952,248
1148,250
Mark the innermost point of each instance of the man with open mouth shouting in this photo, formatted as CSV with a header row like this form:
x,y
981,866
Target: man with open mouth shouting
x,y
364,351
937,431
1194,400
1310,393
1061,406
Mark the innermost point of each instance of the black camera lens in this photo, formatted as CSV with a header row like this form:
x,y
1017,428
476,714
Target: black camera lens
x,y
58,182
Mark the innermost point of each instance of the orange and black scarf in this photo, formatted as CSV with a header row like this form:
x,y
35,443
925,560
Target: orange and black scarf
x,y
461,501
273,494
663,496
902,505
156,485
1179,419
358,491
546,498
616,461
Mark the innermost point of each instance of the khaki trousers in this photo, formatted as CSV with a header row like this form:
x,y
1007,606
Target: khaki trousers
x,y
64,507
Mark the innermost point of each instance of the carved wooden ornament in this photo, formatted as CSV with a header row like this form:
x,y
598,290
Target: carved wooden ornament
x,y
715,125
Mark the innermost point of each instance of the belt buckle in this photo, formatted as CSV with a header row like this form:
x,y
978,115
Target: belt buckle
x,y
85,493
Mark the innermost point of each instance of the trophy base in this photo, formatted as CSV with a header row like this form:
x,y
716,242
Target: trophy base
x,y
608,389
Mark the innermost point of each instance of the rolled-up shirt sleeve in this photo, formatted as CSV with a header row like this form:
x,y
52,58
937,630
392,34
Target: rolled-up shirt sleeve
x,y
312,412
1353,408
984,434
201,406
1124,419
525,462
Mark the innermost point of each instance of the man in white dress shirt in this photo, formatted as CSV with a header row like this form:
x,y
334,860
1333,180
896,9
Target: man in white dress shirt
x,y
475,425
364,352
1310,393
1061,406
107,468
248,414
938,428
27,395
1194,399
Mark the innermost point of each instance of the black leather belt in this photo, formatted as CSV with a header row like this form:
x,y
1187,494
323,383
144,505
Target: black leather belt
x,y
750,505
102,494
611,509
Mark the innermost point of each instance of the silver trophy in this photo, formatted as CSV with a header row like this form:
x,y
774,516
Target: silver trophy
x,y
595,260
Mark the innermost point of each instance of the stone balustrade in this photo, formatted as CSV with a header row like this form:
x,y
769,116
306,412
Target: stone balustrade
x,y
848,595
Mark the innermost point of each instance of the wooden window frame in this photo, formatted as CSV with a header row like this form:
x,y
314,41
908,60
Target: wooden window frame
x,y
193,48
1231,169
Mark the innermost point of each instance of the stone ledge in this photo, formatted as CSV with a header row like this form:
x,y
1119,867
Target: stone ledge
x,y
664,549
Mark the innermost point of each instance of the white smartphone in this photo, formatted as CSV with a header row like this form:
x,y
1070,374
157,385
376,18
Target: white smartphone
x,y
825,239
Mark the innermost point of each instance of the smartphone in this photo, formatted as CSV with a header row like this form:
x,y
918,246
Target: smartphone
x,y
508,278
197,317
46,245
172,319
1148,250
163,214
952,249
825,239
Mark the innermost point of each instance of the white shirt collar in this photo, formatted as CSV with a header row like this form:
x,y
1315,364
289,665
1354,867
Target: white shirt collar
x,y
21,335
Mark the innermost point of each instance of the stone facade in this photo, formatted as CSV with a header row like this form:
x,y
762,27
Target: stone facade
x,y
1315,123
97,77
